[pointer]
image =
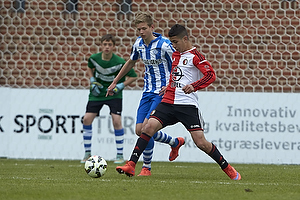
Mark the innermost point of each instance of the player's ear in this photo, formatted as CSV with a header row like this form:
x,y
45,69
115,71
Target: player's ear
x,y
185,38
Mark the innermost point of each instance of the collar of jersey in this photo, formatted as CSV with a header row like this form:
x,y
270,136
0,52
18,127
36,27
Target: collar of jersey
x,y
188,50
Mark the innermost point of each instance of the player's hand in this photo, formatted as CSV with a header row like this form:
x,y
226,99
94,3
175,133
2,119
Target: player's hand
x,y
188,89
109,91
162,90
118,88
95,86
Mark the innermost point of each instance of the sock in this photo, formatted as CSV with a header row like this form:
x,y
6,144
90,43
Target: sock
x,y
160,136
119,137
140,146
148,154
87,138
216,155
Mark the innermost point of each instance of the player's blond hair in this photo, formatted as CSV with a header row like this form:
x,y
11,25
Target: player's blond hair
x,y
143,17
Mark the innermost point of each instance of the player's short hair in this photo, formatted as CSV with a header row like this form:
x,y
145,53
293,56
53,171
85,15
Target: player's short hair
x,y
143,17
108,37
178,30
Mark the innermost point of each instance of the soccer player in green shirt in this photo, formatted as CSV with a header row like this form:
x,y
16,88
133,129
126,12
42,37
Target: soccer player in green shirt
x,y
102,69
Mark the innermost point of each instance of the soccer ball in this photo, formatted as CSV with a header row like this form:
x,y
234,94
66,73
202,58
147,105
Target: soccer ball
x,y
95,166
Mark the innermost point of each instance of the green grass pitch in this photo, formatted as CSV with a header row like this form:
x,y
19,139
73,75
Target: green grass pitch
x,y
58,179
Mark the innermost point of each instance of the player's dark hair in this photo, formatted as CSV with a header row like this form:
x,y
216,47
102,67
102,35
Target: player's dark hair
x,y
178,30
108,37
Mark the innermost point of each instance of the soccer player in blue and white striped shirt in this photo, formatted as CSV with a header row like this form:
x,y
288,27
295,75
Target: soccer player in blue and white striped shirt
x,y
156,53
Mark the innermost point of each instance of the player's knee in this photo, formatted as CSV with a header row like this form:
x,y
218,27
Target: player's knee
x,y
148,129
86,121
88,118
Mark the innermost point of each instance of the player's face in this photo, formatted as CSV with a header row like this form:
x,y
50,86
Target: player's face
x,y
178,43
107,46
144,30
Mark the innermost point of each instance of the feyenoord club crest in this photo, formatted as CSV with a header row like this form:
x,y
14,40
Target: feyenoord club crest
x,y
185,61
153,111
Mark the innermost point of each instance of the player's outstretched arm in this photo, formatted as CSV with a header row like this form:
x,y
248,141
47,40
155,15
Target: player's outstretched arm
x,y
120,86
125,69
129,80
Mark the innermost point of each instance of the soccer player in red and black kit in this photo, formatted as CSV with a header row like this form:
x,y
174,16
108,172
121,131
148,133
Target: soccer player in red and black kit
x,y
190,72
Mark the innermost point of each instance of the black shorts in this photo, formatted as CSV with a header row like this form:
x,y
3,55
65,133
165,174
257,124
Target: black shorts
x,y
115,106
188,115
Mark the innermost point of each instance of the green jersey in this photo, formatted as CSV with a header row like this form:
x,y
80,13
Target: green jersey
x,y
105,72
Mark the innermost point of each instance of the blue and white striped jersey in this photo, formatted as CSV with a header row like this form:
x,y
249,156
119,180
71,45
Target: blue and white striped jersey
x,y
157,58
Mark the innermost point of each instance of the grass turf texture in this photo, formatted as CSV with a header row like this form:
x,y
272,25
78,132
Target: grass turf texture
x,y
57,179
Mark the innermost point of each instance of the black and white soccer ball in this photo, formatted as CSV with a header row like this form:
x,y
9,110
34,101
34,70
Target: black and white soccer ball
x,y
95,166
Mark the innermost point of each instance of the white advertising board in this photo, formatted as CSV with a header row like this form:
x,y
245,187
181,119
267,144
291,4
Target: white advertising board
x,y
246,127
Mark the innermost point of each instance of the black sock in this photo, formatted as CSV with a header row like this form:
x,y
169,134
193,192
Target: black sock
x,y
140,146
216,155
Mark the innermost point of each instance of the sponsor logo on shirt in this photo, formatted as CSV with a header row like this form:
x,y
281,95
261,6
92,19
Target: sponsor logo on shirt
x,y
152,62
176,75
